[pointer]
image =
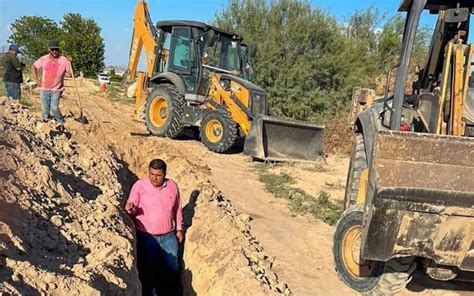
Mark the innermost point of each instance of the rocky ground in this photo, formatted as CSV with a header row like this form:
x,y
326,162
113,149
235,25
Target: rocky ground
x,y
62,227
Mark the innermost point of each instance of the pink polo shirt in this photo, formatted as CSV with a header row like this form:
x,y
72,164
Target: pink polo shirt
x,y
53,72
157,209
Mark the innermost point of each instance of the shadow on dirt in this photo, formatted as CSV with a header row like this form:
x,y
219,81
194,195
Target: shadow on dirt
x,y
72,183
188,214
422,282
192,134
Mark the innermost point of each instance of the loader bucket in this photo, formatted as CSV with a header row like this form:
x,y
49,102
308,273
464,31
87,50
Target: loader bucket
x,y
420,199
275,139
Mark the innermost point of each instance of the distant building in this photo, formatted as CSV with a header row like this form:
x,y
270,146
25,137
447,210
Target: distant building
x,y
118,70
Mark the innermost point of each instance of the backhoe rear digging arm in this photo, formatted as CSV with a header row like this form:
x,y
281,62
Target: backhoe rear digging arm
x,y
144,35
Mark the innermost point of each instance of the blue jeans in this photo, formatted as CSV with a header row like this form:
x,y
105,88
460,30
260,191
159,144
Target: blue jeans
x,y
13,90
50,105
158,264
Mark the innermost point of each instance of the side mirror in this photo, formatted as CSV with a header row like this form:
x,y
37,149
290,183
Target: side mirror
x,y
457,15
211,38
252,51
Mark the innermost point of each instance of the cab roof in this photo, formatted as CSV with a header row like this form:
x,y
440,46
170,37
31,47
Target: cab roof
x,y
195,24
435,6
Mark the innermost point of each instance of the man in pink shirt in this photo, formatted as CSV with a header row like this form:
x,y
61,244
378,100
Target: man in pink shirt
x,y
155,205
54,66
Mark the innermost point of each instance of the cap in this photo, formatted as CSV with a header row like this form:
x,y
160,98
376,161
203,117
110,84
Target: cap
x,y
53,44
14,47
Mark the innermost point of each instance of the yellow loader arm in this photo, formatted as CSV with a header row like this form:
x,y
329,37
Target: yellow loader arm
x,y
143,36
266,137
236,100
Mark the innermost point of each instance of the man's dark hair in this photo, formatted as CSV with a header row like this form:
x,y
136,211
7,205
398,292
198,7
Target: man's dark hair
x,y
158,164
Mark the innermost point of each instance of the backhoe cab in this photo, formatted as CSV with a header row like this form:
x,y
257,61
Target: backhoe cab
x,y
202,76
410,194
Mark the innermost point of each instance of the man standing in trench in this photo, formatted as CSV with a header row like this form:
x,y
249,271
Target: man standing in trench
x,y
54,66
155,204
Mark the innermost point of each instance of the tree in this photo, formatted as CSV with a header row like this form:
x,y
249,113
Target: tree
x,y
298,59
362,26
32,34
307,60
81,40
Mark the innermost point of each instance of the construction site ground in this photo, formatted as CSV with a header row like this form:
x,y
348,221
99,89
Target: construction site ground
x,y
240,239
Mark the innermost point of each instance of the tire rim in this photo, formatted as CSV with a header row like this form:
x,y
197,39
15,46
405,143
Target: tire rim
x,y
214,131
158,111
355,266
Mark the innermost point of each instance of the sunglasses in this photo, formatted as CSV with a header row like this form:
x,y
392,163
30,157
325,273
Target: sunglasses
x,y
54,49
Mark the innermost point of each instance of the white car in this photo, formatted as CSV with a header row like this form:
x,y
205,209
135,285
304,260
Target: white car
x,y
104,78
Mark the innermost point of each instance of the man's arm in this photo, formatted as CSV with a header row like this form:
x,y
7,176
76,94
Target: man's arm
x,y
34,74
179,218
69,67
16,63
34,70
131,207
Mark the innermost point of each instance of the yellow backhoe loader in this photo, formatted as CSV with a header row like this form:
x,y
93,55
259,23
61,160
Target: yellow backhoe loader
x,y
409,198
201,76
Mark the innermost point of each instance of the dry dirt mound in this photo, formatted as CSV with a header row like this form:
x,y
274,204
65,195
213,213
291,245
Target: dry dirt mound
x,y
61,228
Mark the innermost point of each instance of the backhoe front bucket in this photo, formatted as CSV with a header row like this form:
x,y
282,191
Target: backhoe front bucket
x,y
420,199
276,139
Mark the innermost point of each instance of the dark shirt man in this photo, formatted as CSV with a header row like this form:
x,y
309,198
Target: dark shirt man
x,y
12,76
155,205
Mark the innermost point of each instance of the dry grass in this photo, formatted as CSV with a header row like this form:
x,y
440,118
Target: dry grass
x,y
117,94
300,202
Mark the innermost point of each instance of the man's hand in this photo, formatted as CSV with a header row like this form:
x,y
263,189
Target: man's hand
x,y
180,236
130,207
69,58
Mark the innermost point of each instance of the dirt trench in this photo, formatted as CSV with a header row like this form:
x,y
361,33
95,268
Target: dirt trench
x,y
63,230
221,255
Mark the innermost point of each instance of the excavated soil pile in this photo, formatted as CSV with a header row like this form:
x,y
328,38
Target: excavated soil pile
x,y
62,227
62,231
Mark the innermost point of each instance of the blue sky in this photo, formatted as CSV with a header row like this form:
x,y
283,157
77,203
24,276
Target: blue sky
x,y
115,16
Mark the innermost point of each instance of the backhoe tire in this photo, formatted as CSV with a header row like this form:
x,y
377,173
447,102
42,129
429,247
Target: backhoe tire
x,y
357,164
164,111
371,278
218,131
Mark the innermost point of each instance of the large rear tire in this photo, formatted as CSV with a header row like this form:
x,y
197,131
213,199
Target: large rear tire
x,y
368,277
218,131
164,111
357,164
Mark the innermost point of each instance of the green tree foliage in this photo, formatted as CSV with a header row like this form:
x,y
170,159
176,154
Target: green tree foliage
x,y
32,34
296,60
81,40
307,60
